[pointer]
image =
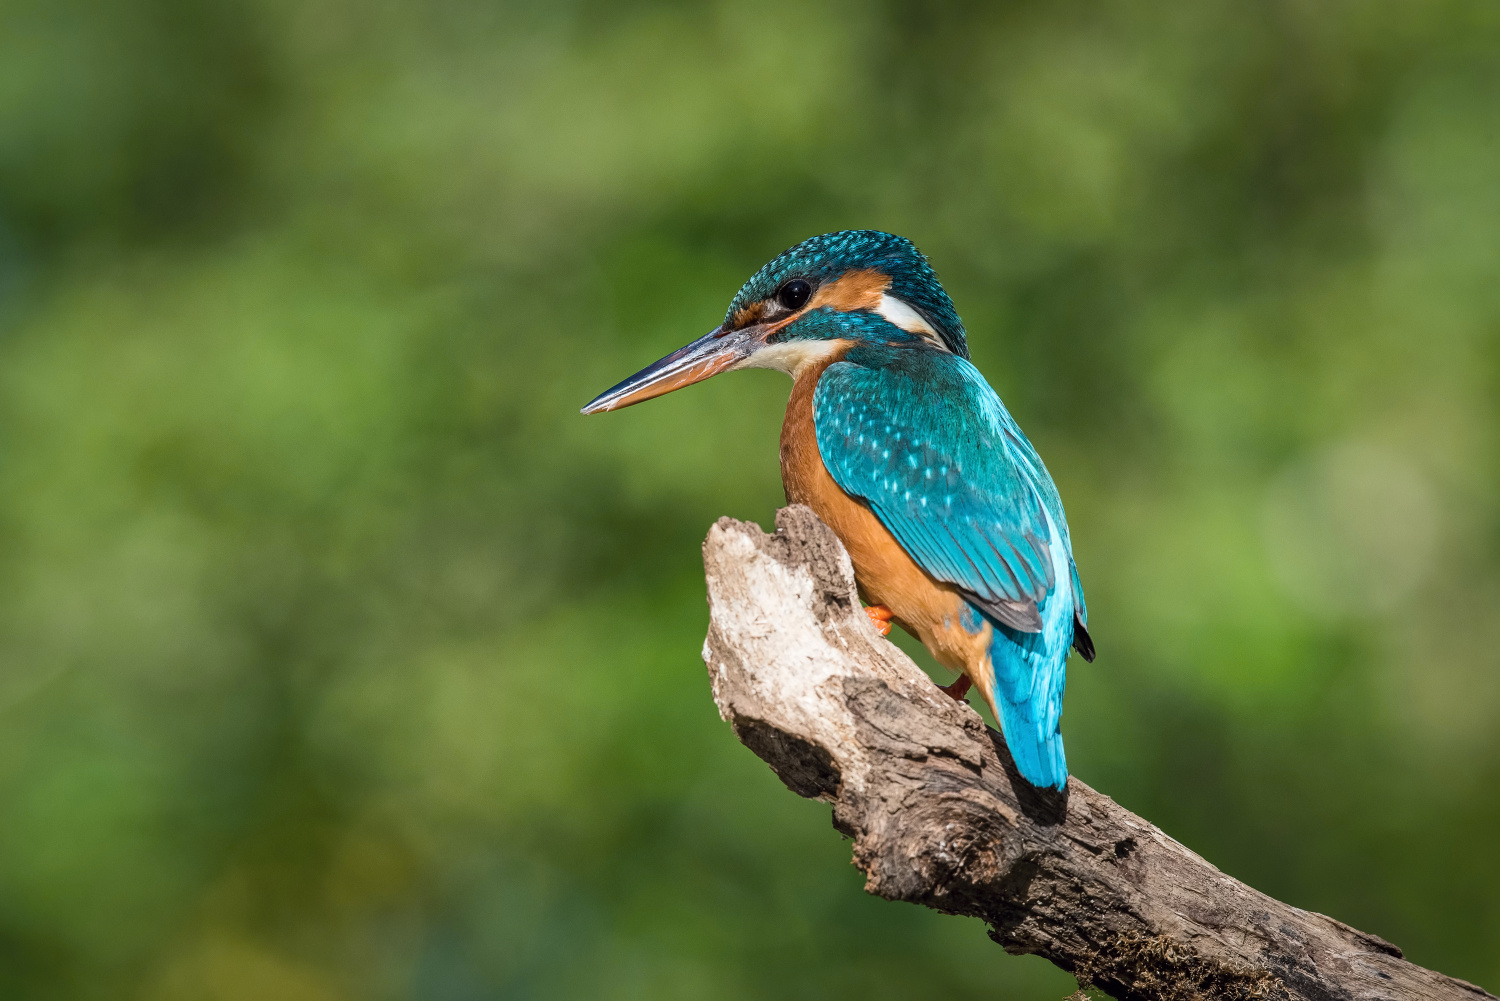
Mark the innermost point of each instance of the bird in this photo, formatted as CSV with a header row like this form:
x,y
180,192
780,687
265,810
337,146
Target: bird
x,y
897,443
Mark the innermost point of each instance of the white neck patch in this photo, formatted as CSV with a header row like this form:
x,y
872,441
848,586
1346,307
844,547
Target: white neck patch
x,y
908,319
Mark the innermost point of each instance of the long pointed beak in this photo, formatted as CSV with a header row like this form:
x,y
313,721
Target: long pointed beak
x,y
716,351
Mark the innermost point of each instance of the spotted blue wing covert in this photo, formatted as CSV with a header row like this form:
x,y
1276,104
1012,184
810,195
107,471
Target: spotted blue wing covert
x,y
929,446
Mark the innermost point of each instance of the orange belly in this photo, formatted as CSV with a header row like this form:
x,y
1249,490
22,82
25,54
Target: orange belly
x,y
929,609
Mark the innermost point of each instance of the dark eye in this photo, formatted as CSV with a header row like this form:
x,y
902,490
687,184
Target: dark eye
x,y
793,295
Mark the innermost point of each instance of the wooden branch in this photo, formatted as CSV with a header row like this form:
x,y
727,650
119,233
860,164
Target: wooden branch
x,y
939,815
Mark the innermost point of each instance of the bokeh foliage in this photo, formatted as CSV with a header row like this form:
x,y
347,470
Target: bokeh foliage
x,y
341,659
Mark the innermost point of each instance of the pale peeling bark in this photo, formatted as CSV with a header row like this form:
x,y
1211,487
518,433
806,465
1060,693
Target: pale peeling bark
x,y
940,817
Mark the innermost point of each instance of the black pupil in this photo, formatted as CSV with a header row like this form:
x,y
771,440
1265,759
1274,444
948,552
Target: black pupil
x,y
793,294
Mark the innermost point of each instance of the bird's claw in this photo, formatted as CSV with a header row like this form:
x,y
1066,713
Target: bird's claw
x,y
958,690
880,617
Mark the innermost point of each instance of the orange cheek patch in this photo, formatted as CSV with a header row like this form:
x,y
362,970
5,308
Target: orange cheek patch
x,y
854,290
747,315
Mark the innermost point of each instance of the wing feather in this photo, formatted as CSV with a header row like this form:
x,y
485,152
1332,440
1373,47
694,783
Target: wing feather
x,y
929,446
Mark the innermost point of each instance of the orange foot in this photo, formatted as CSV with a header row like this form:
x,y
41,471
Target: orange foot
x,y
881,617
958,689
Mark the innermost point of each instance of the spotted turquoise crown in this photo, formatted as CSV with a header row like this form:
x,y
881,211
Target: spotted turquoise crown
x,y
825,258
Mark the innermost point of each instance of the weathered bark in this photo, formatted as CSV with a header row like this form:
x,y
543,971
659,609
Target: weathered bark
x,y
940,817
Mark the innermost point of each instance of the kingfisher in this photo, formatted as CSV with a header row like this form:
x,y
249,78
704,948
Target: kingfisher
x,y
899,445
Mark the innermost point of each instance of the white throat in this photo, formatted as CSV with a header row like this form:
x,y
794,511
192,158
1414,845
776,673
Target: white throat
x,y
793,357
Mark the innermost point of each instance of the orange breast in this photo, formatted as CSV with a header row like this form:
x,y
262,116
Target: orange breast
x,y
927,608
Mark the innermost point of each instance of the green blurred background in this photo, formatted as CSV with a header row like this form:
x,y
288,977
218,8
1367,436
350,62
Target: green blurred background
x,y
340,658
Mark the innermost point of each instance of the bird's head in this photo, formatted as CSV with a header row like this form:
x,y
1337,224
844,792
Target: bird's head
x,y
786,315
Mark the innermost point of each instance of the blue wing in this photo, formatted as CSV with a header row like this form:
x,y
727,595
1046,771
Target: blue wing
x,y
923,439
